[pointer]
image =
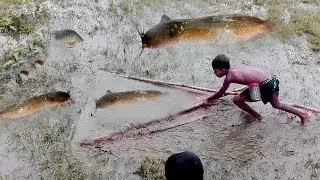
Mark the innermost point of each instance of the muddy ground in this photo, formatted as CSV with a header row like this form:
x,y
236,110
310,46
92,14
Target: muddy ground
x,y
46,144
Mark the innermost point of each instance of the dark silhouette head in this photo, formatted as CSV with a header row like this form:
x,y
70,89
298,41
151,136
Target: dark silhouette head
x,y
184,166
221,62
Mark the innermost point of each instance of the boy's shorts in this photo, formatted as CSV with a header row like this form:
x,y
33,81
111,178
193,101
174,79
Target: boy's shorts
x,y
268,87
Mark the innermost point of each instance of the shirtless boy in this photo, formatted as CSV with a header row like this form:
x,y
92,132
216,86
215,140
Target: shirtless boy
x,y
269,87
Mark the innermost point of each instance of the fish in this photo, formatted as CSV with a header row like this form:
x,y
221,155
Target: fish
x,y
170,31
125,97
67,36
35,104
112,98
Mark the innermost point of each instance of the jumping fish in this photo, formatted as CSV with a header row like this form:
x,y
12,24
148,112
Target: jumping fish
x,y
67,36
170,31
35,104
126,97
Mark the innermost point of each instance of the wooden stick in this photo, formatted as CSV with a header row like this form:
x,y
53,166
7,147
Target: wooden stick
x,y
240,89
140,129
157,82
305,108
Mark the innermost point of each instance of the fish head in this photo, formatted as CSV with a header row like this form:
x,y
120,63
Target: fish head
x,y
67,36
162,34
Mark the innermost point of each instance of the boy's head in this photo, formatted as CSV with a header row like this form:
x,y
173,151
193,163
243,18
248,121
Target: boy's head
x,y
220,65
184,165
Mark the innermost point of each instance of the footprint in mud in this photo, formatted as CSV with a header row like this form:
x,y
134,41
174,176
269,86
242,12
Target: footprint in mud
x,y
240,142
247,118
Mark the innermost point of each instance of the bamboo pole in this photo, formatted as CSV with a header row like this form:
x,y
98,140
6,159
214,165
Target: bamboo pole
x,y
158,82
305,107
140,129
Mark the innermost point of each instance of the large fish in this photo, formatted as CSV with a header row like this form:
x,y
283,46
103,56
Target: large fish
x,y
126,97
35,104
67,36
170,31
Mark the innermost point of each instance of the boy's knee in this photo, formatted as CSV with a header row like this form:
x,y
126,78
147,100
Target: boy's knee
x,y
276,105
238,100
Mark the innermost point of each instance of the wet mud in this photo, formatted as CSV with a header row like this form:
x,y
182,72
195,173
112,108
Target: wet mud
x,y
228,143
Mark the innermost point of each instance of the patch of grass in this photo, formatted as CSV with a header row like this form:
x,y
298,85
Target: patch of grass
x,y
19,23
308,23
151,169
112,8
152,2
275,14
23,53
276,2
126,6
15,2
301,23
48,148
4,177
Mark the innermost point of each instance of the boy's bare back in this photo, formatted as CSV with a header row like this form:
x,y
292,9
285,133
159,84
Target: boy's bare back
x,y
246,75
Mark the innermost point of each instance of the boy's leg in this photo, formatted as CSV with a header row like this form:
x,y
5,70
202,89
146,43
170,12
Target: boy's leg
x,y
288,108
240,101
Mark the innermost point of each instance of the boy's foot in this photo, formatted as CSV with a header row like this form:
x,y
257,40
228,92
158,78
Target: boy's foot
x,y
305,119
250,118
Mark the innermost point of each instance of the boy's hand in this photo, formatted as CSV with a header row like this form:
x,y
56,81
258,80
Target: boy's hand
x,y
208,102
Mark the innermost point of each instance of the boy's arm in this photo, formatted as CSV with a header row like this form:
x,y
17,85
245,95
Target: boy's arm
x,y
222,90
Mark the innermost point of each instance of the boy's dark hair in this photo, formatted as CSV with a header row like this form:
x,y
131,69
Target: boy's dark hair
x,y
185,165
221,62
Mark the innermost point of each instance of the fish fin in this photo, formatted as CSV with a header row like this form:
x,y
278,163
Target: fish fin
x,y
165,19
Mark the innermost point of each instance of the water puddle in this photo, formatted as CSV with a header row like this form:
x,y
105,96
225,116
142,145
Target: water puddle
x,y
123,115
